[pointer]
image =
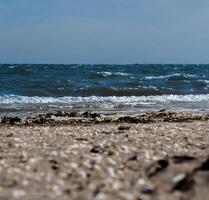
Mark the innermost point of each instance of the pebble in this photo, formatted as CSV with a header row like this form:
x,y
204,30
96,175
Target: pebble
x,y
157,167
97,149
18,193
145,187
182,182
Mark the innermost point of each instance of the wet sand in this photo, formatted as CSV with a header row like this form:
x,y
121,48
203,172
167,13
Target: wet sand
x,y
160,155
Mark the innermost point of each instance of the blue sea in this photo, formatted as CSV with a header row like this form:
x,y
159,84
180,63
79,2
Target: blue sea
x,y
26,88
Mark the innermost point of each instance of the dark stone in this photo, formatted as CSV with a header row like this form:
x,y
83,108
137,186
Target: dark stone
x,y
94,115
204,166
9,135
40,119
85,114
98,189
157,167
147,190
54,167
90,115
49,115
73,114
182,158
97,149
122,128
128,119
54,164
183,183
133,157
81,139
60,114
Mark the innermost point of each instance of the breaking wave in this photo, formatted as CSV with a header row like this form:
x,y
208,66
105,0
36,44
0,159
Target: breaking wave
x,y
15,99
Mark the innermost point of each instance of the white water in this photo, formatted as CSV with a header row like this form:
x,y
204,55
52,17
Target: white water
x,y
16,99
18,105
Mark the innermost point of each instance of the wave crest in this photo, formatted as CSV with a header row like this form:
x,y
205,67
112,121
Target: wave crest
x,y
15,99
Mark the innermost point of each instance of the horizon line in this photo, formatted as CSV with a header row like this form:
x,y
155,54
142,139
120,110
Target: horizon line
x,y
25,63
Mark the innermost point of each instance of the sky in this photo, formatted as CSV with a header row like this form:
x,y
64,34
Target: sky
x,y
104,32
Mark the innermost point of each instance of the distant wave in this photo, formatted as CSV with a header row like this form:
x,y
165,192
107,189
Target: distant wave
x,y
107,73
174,77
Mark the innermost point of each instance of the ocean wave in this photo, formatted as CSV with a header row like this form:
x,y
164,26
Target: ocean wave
x,y
15,99
203,80
106,73
173,77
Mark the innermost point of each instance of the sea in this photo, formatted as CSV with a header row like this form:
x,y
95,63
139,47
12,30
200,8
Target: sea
x,y
37,88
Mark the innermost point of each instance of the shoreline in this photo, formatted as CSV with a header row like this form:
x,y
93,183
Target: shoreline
x,y
68,155
79,118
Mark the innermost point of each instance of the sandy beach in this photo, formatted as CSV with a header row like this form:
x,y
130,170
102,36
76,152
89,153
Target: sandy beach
x,y
159,155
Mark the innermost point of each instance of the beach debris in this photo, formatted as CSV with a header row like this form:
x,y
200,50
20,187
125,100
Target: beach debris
x,y
171,116
127,119
122,128
157,167
10,120
178,159
40,119
86,118
65,114
73,114
91,115
60,114
183,182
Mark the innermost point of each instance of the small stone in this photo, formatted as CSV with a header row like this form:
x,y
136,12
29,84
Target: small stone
x,y
133,157
106,132
122,128
60,114
97,149
183,182
17,194
157,167
10,135
73,114
146,187
82,139
91,115
57,190
128,119
54,164
204,166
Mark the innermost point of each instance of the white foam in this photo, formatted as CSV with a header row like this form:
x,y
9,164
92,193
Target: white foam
x,y
105,73
15,99
170,75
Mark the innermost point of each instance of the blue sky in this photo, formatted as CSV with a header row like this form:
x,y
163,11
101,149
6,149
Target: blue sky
x,y
98,31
